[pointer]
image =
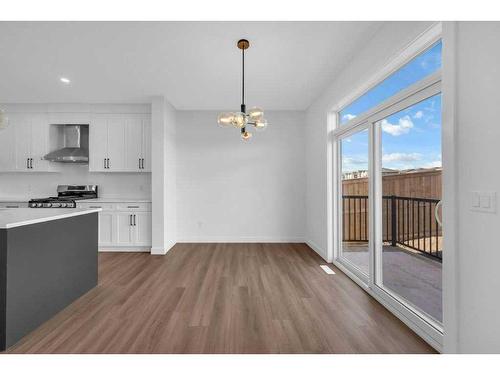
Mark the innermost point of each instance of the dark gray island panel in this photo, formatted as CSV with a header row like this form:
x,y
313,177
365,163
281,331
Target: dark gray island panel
x,y
43,268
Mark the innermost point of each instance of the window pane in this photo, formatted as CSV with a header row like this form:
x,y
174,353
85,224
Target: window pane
x,y
420,67
411,189
354,204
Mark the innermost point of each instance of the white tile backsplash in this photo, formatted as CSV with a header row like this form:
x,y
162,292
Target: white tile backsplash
x,y
111,185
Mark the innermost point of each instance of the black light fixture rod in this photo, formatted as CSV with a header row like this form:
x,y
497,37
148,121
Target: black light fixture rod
x,y
243,44
243,81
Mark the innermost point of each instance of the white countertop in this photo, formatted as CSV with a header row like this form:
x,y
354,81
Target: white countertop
x,y
100,199
10,218
115,200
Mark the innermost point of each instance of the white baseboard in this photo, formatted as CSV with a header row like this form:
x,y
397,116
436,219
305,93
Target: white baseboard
x,y
223,239
159,250
317,249
125,250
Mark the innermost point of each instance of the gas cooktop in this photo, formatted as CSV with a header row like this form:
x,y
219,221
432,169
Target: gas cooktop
x,y
66,196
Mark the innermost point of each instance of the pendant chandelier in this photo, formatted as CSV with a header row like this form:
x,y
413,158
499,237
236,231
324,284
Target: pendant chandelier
x,y
242,119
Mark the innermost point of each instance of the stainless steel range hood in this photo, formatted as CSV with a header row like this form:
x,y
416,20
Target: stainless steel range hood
x,y
74,150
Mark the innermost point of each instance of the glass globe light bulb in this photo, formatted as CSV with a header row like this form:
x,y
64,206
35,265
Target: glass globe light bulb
x,y
225,119
239,120
255,114
260,125
245,136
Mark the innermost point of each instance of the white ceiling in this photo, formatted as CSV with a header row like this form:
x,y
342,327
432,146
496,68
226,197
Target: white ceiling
x,y
196,65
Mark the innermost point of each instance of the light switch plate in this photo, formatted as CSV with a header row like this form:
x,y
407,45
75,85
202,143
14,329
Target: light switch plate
x,y
484,201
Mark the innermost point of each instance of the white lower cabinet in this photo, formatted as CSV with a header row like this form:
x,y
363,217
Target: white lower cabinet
x,y
106,223
123,226
142,228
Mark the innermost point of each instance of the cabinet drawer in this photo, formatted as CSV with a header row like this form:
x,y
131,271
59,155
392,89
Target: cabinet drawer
x,y
131,206
104,206
13,204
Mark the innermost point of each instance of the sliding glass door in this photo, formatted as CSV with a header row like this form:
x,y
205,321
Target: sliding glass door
x,y
353,201
409,172
387,190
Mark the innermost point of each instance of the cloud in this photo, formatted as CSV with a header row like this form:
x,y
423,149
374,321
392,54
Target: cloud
x,y
433,164
419,114
348,117
399,156
403,127
349,160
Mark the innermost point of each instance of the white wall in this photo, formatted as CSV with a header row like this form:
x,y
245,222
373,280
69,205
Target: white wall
x,y
163,170
388,42
231,191
478,135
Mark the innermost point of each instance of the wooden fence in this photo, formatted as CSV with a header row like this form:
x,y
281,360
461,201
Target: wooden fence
x,y
422,184
416,195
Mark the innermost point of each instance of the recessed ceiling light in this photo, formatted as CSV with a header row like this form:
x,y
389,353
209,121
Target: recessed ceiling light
x,y
64,80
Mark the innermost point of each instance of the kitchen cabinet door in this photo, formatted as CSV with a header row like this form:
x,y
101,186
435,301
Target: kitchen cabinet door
x,y
134,143
142,227
39,143
124,229
8,147
98,143
106,228
117,145
146,143
22,126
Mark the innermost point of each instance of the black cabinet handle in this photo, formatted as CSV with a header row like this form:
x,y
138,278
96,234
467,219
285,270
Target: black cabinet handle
x,y
31,163
104,163
134,220
130,221
108,163
28,163
139,163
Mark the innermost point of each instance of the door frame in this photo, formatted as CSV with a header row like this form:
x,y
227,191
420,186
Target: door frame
x,y
338,231
430,330
423,89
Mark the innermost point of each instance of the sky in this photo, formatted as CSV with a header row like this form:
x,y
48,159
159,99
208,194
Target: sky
x,y
411,138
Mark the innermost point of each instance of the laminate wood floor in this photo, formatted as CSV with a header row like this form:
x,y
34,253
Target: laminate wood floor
x,y
222,298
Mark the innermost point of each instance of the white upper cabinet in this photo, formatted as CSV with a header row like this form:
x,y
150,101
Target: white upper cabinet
x,y
8,148
138,143
120,143
24,143
98,143
40,144
146,143
117,142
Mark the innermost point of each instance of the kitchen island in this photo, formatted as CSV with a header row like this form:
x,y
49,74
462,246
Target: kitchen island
x,y
48,258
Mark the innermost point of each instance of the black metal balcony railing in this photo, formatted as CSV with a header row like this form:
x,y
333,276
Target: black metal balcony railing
x,y
407,221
